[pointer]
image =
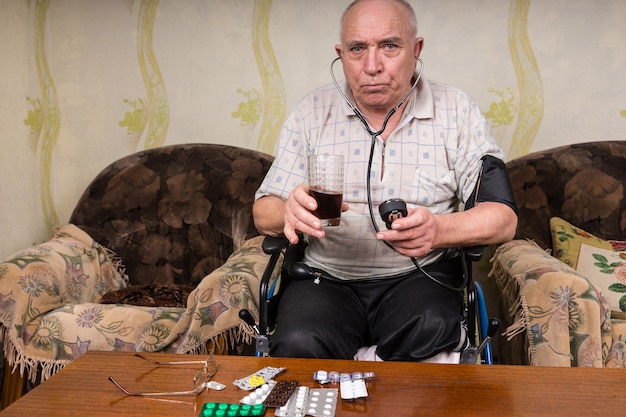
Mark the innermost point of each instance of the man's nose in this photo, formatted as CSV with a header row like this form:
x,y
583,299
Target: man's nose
x,y
373,62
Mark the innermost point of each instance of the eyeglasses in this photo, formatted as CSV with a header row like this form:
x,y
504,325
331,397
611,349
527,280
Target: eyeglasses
x,y
200,381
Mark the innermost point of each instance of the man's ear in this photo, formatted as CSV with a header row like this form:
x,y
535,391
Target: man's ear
x,y
339,50
418,46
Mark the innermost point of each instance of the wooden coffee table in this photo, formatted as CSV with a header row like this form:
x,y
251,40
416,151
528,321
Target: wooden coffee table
x,y
399,389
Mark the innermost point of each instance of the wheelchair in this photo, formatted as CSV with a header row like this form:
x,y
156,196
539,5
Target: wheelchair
x,y
480,329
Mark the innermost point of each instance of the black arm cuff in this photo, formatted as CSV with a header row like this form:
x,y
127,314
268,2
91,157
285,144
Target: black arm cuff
x,y
493,184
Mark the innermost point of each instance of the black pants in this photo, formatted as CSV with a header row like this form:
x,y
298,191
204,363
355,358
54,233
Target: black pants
x,y
410,318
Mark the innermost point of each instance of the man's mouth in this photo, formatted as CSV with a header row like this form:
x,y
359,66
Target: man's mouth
x,y
373,87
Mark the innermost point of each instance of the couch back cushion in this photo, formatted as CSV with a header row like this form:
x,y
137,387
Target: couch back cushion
x,y
174,213
581,183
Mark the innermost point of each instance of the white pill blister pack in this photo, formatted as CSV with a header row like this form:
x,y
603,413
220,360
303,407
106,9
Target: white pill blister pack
x,y
352,389
258,395
322,402
305,401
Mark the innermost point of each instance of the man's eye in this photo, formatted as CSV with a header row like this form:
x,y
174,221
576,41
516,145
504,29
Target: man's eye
x,y
356,48
391,46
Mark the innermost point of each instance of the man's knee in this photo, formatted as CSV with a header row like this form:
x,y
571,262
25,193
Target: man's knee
x,y
297,343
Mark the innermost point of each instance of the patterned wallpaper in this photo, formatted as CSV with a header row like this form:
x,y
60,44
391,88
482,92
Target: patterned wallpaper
x,y
86,82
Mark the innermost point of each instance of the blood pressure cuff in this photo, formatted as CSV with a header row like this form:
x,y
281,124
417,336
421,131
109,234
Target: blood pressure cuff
x,y
493,184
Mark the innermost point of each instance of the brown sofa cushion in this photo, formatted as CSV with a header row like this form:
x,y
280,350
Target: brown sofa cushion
x,y
581,183
170,295
174,214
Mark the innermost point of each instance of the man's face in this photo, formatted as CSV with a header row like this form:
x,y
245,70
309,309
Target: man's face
x,y
378,53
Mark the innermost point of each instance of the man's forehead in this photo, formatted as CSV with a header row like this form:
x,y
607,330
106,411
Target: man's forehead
x,y
377,21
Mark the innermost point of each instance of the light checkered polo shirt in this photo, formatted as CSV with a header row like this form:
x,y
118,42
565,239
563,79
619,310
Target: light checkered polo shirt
x,y
432,159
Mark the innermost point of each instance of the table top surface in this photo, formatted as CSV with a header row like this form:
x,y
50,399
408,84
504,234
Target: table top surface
x,y
399,388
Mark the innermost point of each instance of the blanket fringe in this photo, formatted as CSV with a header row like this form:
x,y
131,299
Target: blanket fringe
x,y
38,370
117,263
29,367
220,342
510,289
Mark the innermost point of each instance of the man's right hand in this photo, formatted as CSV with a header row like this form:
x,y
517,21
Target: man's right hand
x,y
273,216
299,215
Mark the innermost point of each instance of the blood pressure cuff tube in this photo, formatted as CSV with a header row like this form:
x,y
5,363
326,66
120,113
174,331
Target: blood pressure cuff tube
x,y
493,184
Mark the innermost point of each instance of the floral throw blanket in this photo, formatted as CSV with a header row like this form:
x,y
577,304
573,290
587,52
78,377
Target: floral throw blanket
x,y
565,317
50,312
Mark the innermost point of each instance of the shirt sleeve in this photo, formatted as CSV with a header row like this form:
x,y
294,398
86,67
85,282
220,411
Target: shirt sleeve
x,y
289,168
475,142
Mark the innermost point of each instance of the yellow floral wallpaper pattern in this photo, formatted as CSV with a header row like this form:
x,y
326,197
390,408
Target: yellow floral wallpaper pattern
x,y
157,103
530,109
50,120
273,108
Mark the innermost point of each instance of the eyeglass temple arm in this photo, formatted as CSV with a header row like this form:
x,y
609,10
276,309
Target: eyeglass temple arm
x,y
149,394
139,355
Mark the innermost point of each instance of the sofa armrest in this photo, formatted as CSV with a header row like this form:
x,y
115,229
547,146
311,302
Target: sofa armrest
x,y
69,268
564,319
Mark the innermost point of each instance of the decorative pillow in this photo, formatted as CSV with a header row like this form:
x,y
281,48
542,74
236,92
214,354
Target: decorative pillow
x,y
606,268
567,238
603,262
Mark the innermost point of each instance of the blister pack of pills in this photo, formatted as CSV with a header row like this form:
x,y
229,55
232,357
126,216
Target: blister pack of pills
x,y
214,385
352,389
258,378
322,402
295,406
259,395
324,377
213,409
305,401
280,394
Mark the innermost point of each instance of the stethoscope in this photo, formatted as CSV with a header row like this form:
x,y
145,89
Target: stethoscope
x,y
358,113
374,134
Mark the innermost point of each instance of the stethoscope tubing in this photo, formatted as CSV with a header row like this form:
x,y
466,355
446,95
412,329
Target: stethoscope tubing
x,y
373,134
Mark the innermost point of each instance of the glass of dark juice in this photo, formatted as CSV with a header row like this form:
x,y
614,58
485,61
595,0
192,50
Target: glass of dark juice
x,y
326,186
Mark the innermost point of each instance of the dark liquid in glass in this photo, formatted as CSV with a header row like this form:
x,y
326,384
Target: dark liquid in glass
x,y
328,206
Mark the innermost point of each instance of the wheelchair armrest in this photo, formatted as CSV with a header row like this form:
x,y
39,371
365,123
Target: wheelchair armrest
x,y
274,244
474,253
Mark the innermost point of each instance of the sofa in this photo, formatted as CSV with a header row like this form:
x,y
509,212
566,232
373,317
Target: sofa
x,y
562,279
159,254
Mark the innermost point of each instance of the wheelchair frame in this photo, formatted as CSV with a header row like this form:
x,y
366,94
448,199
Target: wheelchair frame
x,y
480,329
